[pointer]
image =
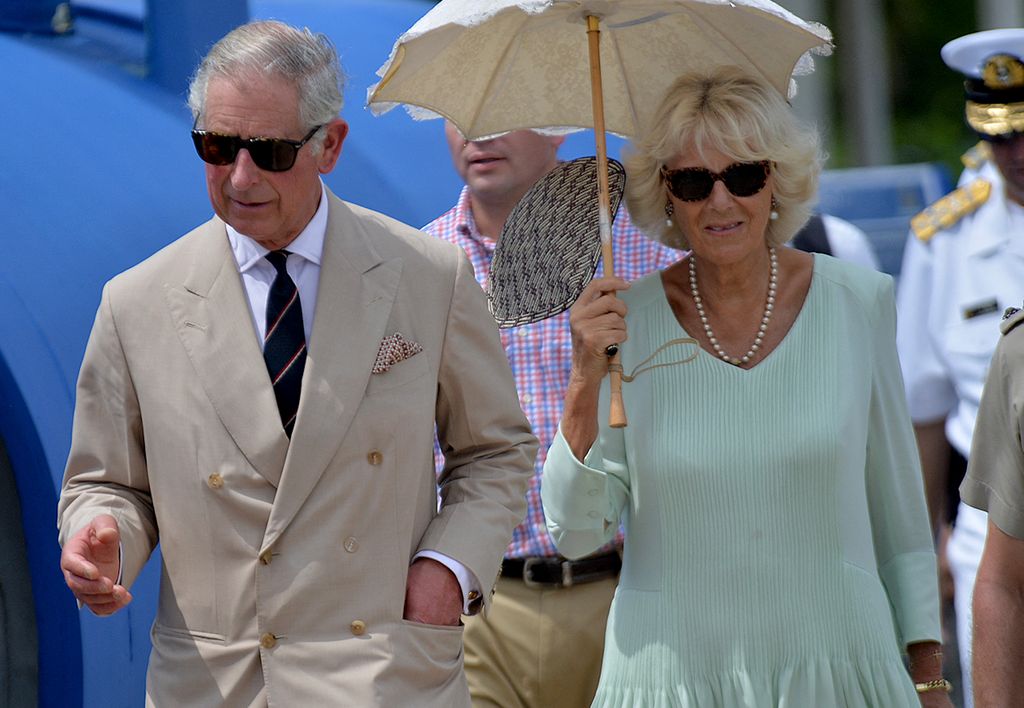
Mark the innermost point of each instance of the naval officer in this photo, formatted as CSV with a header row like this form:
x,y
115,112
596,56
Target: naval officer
x,y
963,266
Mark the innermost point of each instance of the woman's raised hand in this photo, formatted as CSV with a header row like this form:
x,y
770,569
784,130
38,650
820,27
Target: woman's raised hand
x,y
597,321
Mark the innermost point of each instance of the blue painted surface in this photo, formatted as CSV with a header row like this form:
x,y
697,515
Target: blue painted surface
x,y
96,183
99,173
27,15
882,201
192,24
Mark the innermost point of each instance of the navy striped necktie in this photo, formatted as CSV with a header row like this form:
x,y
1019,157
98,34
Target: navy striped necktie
x,y
284,344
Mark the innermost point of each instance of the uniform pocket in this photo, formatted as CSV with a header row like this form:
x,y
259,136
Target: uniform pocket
x,y
970,344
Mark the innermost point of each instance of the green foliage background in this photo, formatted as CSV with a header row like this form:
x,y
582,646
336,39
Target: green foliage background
x,y
928,98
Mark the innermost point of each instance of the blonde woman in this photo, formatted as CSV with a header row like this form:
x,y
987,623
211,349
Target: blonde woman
x,y
777,550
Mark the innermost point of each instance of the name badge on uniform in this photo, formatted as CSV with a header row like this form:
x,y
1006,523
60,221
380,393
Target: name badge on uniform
x,y
981,308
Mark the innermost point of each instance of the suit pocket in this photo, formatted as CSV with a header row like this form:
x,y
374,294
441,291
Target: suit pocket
x,y
433,652
400,374
183,633
452,628
428,658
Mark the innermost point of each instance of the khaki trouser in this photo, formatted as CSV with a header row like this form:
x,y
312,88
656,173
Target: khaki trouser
x,y
538,647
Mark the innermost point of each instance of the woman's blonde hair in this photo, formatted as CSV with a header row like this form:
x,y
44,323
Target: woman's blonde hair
x,y
740,116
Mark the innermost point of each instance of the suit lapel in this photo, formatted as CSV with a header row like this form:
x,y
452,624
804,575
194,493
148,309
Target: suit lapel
x,y
357,289
213,320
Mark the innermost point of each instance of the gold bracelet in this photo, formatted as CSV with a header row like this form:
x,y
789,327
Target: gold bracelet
x,y
933,686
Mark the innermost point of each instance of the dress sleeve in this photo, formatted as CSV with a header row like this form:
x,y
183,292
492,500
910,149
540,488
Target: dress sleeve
x,y
995,472
895,490
583,501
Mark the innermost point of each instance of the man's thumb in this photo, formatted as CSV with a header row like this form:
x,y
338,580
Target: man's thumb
x,y
105,529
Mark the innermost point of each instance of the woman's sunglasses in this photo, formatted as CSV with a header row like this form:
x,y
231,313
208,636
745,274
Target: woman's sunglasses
x,y
693,184
271,154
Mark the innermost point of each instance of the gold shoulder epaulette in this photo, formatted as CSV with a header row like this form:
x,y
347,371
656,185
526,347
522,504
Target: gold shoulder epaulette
x,y
1011,318
977,156
950,209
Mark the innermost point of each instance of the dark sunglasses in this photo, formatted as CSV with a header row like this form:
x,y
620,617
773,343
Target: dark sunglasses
x,y
693,184
271,154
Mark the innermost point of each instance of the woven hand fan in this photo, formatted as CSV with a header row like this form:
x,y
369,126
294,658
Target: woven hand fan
x,y
550,245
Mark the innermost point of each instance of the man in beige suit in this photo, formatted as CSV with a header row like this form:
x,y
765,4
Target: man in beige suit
x,y
306,561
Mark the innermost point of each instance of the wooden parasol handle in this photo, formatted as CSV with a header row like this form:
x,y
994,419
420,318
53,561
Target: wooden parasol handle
x,y
617,411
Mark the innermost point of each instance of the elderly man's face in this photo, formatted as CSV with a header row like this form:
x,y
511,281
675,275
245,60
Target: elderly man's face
x,y
272,208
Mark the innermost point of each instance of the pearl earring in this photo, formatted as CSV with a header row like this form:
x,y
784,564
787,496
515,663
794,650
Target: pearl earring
x,y
669,211
774,213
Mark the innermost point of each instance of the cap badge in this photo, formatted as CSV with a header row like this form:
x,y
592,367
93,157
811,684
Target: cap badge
x,y
1003,71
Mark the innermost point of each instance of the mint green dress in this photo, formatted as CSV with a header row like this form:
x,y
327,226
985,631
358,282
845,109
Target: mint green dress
x,y
778,552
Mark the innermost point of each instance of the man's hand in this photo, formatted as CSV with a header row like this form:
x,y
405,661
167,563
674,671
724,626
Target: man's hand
x,y
90,561
432,594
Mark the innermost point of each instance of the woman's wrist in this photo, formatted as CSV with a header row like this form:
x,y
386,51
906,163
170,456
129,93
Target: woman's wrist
x,y
579,415
925,663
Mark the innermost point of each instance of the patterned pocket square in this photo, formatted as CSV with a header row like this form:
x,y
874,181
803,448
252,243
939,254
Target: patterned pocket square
x,y
392,350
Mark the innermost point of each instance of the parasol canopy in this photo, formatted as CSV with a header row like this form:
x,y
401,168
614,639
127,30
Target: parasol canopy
x,y
491,66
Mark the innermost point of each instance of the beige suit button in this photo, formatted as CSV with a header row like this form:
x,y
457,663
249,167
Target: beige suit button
x,y
358,628
351,544
473,595
375,457
268,641
265,557
215,481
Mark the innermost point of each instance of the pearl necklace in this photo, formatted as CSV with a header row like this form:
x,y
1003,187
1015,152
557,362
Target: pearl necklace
x,y
773,282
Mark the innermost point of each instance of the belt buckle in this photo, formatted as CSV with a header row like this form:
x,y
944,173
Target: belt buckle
x,y
528,581
566,574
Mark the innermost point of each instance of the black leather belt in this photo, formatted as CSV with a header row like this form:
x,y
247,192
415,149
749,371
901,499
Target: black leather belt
x,y
543,571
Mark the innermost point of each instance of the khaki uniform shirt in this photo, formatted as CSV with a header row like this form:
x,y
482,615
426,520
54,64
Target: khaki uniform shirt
x,y
995,474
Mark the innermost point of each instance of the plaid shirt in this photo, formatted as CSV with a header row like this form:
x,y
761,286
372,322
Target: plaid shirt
x,y
540,353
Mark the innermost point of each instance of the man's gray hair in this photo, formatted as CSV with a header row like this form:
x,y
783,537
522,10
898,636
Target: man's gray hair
x,y
273,49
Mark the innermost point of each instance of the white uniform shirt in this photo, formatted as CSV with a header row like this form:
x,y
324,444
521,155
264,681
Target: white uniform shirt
x,y
952,293
849,243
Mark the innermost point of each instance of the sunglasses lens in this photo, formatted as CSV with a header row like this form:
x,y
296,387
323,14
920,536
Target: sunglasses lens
x,y
695,184
745,179
272,154
691,184
215,149
269,154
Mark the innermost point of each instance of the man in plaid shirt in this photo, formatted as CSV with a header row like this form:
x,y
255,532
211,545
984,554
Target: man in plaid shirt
x,y
541,642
